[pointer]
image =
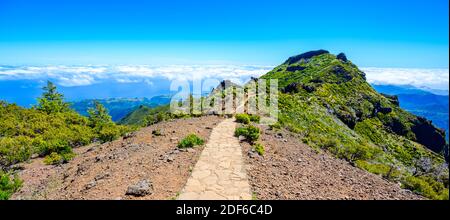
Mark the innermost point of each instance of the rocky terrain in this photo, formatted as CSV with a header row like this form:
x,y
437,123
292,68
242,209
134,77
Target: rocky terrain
x,y
140,166
292,170
146,166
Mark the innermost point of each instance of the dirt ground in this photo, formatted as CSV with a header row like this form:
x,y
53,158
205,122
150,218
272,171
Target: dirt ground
x,y
106,171
292,170
288,170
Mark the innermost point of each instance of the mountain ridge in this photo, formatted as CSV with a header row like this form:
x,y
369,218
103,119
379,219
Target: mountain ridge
x,y
327,100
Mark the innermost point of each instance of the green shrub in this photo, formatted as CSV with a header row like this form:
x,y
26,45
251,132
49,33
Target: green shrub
x,y
255,118
46,147
240,131
259,148
250,132
157,117
190,141
8,186
14,150
275,126
420,186
242,118
253,133
388,172
55,158
357,152
108,133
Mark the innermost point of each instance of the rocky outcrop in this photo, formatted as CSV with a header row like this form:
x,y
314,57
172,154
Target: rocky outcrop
x,y
379,108
342,57
428,135
342,73
305,56
392,98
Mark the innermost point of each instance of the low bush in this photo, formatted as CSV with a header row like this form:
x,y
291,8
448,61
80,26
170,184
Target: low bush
x,y
242,118
14,150
275,126
355,153
58,158
250,132
240,131
259,148
426,187
8,185
388,172
190,141
255,118
108,133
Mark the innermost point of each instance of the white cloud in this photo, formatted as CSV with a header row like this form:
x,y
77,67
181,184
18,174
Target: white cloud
x,y
431,78
86,75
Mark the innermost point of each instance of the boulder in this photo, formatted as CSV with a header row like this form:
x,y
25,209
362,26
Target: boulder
x,y
142,188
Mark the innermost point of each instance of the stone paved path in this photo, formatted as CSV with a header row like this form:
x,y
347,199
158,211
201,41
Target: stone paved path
x,y
220,172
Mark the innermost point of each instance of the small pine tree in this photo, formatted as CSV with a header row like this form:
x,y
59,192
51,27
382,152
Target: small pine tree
x,y
51,100
98,116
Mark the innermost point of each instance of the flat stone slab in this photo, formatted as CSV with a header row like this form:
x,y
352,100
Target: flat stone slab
x,y
220,173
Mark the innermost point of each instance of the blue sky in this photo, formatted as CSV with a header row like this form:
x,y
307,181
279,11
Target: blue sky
x,y
410,34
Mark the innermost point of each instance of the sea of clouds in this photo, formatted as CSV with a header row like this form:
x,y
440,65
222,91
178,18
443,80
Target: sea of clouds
x,y
422,78
87,75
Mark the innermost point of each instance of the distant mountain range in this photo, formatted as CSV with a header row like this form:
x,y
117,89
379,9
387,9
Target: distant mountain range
x,y
26,92
120,107
423,103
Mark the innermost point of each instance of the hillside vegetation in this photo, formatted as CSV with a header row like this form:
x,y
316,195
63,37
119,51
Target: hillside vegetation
x,y
118,107
326,99
50,129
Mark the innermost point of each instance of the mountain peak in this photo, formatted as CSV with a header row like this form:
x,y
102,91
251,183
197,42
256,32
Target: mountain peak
x,y
305,56
341,87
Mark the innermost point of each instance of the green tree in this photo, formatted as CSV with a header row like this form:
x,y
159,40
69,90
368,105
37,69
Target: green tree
x,y
98,116
51,100
102,124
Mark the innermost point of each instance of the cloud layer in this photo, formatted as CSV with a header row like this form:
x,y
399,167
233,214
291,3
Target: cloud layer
x,y
429,78
86,75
